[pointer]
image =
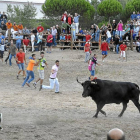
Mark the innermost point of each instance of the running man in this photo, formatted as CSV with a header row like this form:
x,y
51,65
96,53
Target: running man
x,y
41,70
53,78
104,48
20,59
29,71
123,49
87,50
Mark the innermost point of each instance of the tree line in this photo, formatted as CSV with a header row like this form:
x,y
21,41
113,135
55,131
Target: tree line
x,y
96,11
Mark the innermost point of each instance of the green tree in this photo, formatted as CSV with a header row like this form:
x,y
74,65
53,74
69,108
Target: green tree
x,y
133,5
55,8
24,14
109,8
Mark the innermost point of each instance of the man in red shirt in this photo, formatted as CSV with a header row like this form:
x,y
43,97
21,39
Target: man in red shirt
x,y
88,37
87,50
104,48
49,42
123,49
26,42
69,20
40,29
20,59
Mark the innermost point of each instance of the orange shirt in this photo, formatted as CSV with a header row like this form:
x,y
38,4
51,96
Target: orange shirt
x,y
20,27
9,25
31,65
15,27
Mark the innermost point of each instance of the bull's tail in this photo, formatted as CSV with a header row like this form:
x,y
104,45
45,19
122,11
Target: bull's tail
x,y
137,86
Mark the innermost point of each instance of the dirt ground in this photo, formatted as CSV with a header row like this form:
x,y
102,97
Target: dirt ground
x,y
32,115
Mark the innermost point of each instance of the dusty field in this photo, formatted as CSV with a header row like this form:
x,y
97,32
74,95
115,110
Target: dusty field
x,y
32,115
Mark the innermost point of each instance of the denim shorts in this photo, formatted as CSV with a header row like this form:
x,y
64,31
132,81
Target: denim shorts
x,y
21,66
49,44
104,52
92,72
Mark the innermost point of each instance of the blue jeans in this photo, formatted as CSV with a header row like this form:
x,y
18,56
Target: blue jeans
x,y
113,32
92,72
134,35
54,40
120,34
18,45
28,74
53,82
93,39
108,40
97,35
10,57
74,36
117,48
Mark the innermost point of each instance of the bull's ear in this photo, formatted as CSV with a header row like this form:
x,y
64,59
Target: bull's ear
x,y
82,84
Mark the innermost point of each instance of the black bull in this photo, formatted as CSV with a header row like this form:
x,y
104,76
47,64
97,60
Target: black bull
x,y
107,92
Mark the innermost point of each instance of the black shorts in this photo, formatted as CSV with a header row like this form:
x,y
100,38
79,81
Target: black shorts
x,y
1,54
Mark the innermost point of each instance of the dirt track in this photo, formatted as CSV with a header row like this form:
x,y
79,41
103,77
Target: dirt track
x,y
32,115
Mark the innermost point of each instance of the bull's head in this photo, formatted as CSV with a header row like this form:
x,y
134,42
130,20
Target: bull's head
x,y
87,86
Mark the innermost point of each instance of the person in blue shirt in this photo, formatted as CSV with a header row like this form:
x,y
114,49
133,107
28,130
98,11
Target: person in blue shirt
x,y
2,37
18,41
62,39
138,15
81,31
133,16
76,21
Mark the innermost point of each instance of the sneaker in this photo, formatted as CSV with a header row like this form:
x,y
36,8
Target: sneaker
x,y
17,77
27,84
47,52
34,84
103,60
0,117
40,88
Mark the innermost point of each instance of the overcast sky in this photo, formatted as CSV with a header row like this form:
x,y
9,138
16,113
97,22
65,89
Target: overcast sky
x,y
37,1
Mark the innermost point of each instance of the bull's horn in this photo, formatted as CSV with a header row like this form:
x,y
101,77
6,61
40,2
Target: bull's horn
x,y
93,82
78,81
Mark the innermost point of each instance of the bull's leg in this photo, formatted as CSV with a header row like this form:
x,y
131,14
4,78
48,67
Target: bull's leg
x,y
103,112
99,107
136,104
124,108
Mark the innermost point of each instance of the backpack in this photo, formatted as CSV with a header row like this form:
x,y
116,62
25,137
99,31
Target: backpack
x,y
90,65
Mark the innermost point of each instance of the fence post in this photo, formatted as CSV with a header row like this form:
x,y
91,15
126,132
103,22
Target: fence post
x,y
131,41
71,39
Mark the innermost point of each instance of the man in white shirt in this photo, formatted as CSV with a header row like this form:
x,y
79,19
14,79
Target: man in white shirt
x,y
54,34
53,78
108,36
32,41
136,31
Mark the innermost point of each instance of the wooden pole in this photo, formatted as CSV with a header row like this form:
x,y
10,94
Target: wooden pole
x,y
71,39
131,41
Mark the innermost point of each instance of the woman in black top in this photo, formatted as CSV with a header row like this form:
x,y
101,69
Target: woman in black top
x,y
109,27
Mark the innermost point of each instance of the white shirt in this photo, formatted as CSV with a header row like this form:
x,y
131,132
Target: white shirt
x,y
32,38
138,44
2,47
108,34
55,68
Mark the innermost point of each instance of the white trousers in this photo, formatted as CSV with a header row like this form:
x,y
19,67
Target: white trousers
x,y
25,48
76,28
14,32
53,82
32,46
87,56
122,54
